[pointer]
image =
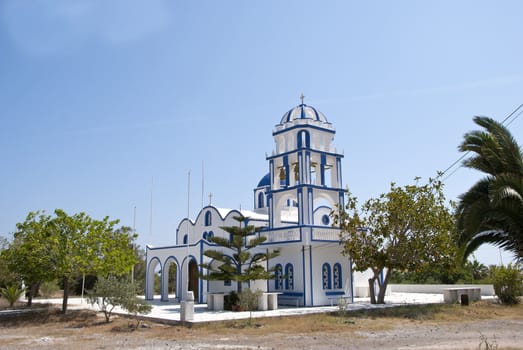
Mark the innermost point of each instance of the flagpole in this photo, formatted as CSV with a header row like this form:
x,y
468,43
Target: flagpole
x,y
187,233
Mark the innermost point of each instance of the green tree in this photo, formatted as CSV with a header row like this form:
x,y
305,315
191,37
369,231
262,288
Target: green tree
x,y
7,276
87,246
407,229
30,254
66,246
491,211
235,260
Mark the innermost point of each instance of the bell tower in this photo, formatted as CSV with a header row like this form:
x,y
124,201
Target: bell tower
x,y
304,169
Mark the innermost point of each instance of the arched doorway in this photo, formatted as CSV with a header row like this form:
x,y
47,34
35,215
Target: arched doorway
x,y
193,279
170,280
153,279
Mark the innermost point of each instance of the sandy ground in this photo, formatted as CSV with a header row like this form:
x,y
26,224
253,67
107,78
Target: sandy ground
x,y
85,330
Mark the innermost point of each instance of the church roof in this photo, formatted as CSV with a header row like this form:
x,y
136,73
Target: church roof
x,y
303,111
265,181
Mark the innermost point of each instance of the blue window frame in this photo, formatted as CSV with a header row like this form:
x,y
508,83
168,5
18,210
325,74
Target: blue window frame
x,y
289,277
208,219
337,280
261,198
326,276
185,237
227,283
278,277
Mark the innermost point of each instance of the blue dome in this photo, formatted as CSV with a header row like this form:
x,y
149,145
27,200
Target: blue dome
x,y
303,112
265,181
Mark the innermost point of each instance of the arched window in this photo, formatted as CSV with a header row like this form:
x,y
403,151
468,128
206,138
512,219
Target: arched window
x,y
204,236
337,276
210,235
326,276
185,239
278,277
304,139
261,203
208,219
289,277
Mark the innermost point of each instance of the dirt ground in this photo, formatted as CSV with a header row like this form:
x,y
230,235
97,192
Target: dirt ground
x,y
478,326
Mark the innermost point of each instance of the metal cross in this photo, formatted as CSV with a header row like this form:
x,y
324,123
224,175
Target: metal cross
x,y
210,198
302,98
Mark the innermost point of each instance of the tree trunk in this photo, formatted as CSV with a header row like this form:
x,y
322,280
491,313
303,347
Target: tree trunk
x,y
371,290
383,287
66,294
33,289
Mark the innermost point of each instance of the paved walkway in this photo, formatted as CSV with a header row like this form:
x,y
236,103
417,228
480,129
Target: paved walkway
x,y
169,312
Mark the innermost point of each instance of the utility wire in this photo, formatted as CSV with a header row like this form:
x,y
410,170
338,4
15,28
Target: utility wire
x,y
513,114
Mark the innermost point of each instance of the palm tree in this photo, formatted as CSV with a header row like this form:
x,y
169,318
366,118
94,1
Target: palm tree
x,y
491,211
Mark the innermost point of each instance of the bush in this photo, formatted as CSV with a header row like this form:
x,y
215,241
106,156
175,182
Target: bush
x,y
230,301
110,292
49,289
248,300
508,284
12,293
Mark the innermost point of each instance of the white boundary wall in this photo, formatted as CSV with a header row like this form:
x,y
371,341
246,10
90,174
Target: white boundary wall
x,y
486,289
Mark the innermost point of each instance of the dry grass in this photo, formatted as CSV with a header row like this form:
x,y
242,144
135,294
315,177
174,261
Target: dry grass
x,y
88,328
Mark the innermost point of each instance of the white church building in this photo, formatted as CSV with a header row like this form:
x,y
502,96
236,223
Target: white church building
x,y
292,204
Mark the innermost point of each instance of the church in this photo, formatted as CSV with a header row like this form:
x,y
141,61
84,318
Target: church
x,y
292,203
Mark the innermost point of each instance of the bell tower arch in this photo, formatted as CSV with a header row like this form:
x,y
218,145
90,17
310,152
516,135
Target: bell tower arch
x,y
303,168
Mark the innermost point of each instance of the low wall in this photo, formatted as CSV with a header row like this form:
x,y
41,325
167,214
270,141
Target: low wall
x,y
486,289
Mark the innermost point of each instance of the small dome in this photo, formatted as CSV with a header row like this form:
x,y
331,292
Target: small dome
x,y
265,181
303,112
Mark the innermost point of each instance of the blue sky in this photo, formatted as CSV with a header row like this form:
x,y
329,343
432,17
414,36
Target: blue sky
x,y
104,102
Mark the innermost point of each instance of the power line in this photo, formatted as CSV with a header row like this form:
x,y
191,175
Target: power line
x,y
512,115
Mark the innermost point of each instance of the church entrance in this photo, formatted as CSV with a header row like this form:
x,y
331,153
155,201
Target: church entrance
x,y
193,279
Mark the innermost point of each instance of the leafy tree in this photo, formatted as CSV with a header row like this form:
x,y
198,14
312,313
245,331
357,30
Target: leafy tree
x,y
236,262
66,246
7,276
30,254
407,229
89,246
491,211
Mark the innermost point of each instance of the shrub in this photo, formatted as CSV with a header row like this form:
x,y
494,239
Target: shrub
x,y
110,292
508,284
248,300
12,293
49,289
230,301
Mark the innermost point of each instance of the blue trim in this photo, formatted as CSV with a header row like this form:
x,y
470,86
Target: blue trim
x,y
200,280
326,269
208,218
334,293
278,277
304,275
338,285
312,276
289,276
147,276
305,127
351,280
177,282
279,155
293,294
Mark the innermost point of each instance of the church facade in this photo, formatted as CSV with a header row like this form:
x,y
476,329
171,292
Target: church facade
x,y
292,203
